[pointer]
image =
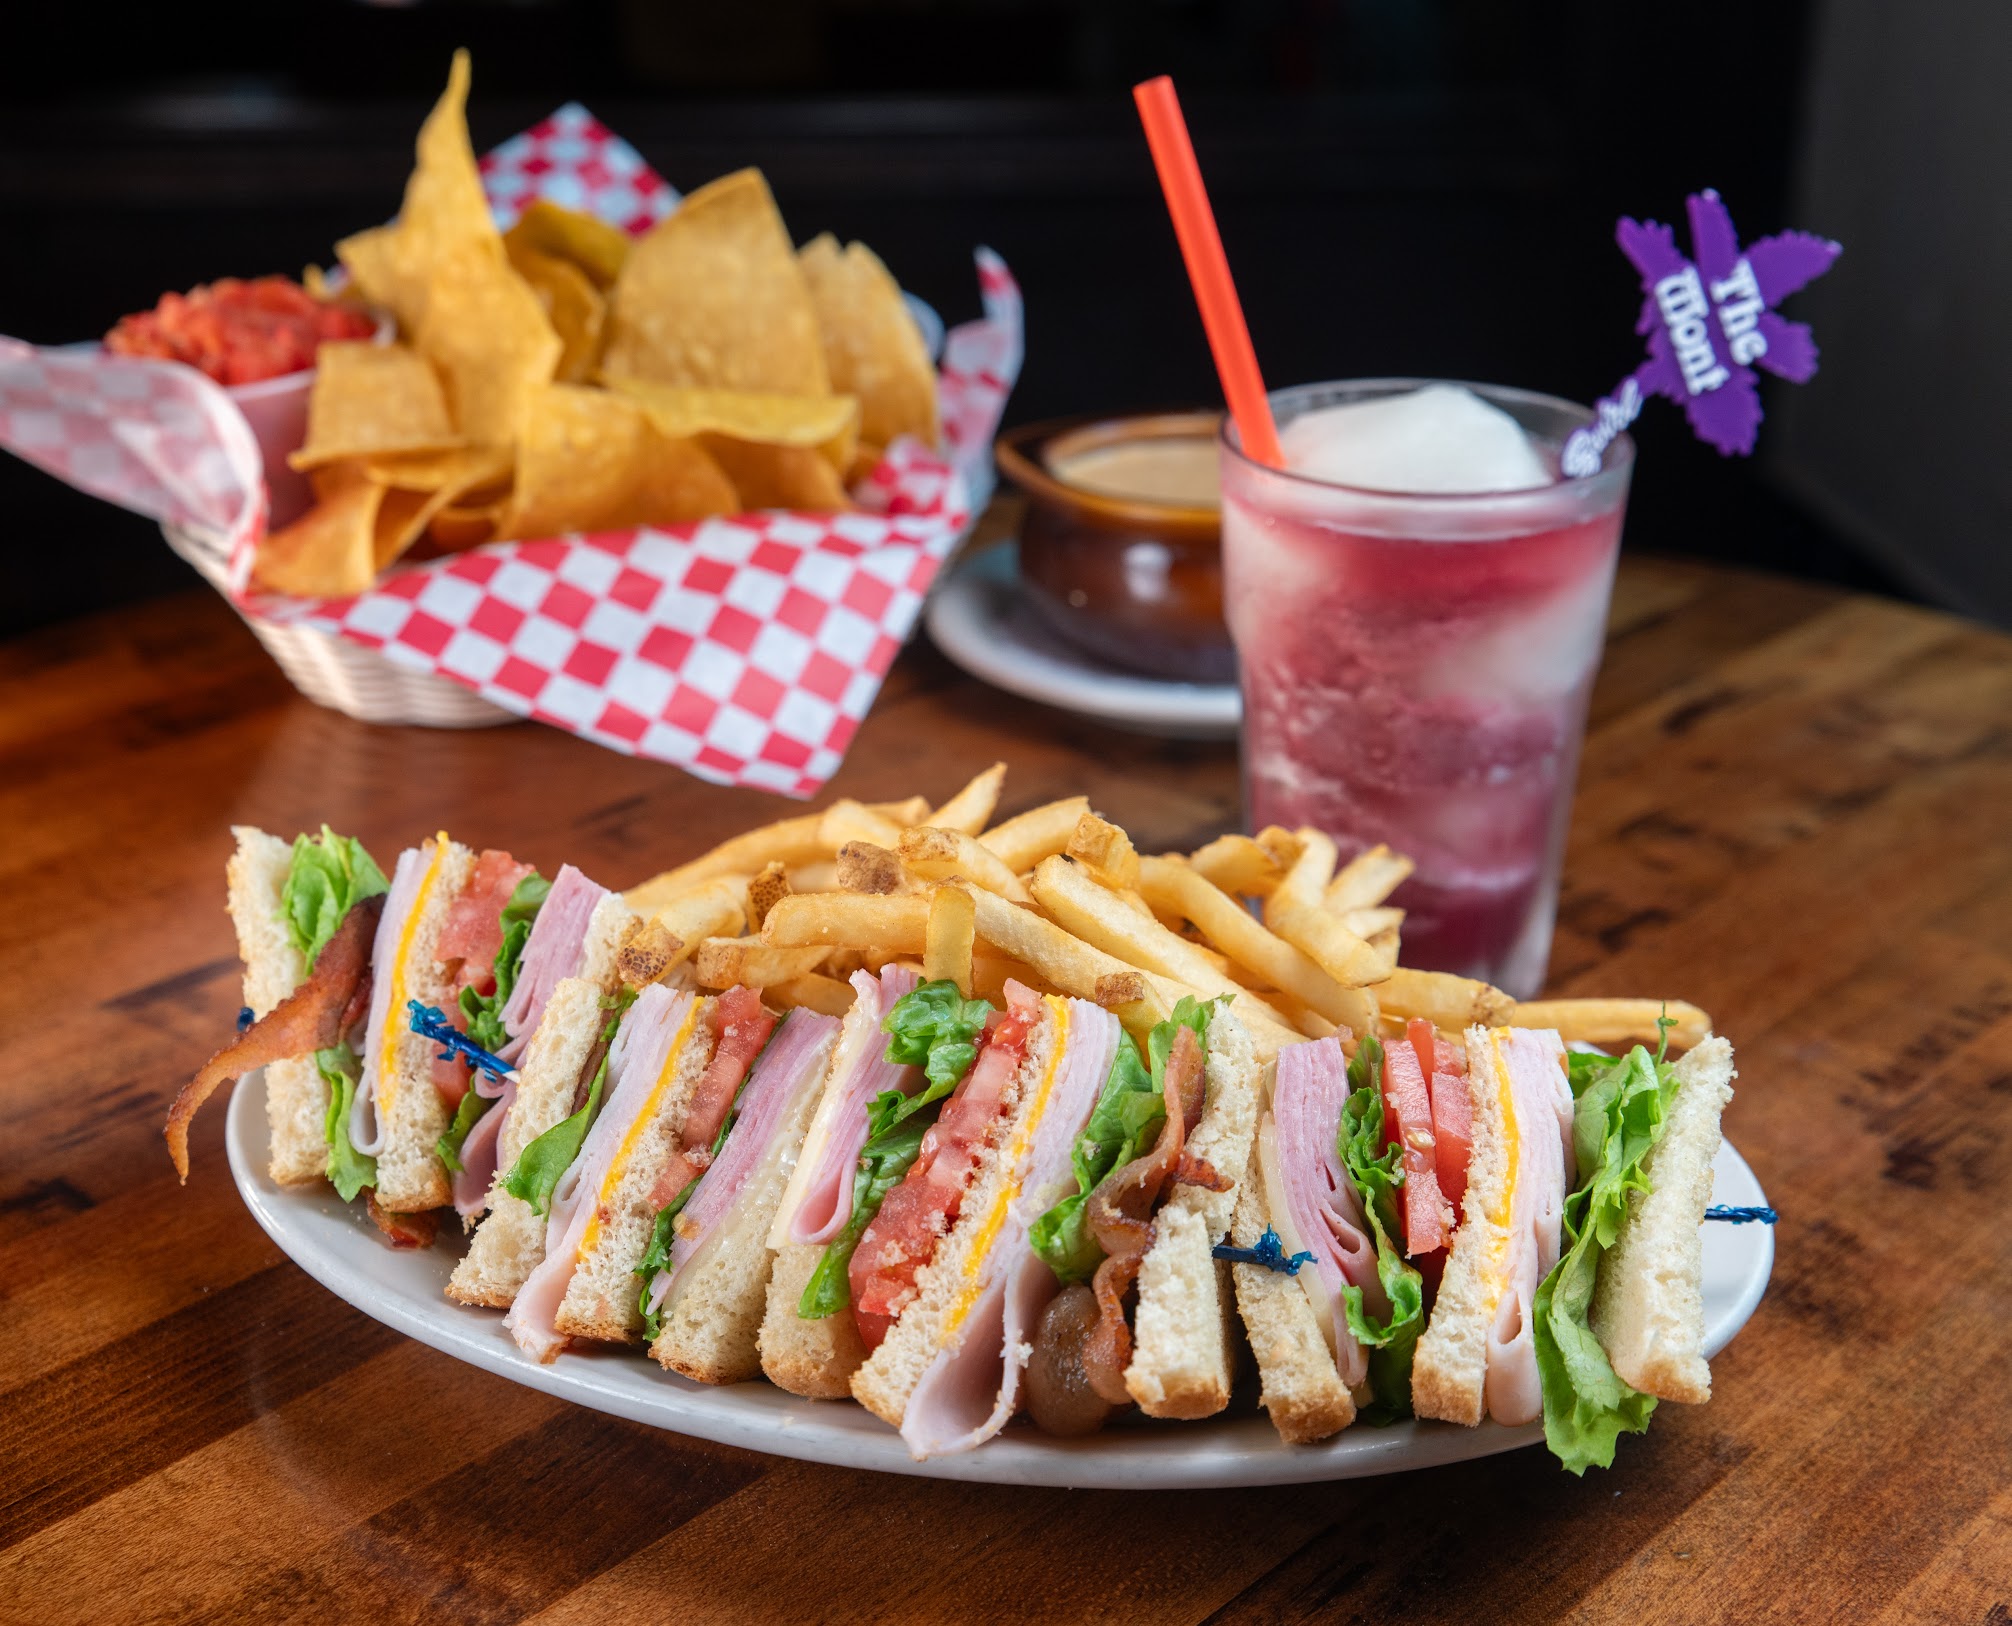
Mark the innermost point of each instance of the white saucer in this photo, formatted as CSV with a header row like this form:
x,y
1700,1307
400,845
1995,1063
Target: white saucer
x,y
980,618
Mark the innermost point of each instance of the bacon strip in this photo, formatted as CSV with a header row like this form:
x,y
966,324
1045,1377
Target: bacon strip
x,y
405,1230
308,1019
1120,1210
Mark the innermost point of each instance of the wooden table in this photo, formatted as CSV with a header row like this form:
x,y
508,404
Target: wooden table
x,y
1794,810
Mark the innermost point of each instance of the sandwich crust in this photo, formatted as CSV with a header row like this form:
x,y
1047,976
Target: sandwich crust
x,y
410,1175
889,1376
1648,1302
1450,1368
296,1099
1299,1386
510,1241
600,1300
1180,1354
815,1359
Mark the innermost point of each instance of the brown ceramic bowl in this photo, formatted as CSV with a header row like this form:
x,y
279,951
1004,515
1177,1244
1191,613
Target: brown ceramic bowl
x,y
1134,582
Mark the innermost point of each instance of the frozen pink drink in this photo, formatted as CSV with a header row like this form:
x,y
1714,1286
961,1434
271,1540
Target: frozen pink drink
x,y
1416,659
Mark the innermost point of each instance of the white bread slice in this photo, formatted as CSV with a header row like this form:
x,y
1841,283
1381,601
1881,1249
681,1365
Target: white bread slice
x,y
410,1175
296,1099
712,1329
892,1371
607,929
1298,1383
600,1300
1648,1303
1180,1356
510,1242
1450,1367
815,1359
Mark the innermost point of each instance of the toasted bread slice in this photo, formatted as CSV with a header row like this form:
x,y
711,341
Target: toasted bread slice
x,y
296,1098
815,1359
510,1242
1180,1357
892,1371
600,1299
1449,1371
1648,1302
1300,1387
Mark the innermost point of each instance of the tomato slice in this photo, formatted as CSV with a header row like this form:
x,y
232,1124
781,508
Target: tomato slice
x,y
919,1212
1452,1116
1407,1120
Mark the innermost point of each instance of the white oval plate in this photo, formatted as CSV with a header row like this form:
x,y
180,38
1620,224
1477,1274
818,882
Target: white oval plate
x,y
980,618
338,1246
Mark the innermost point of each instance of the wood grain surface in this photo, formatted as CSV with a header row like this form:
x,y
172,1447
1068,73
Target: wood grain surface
x,y
1794,809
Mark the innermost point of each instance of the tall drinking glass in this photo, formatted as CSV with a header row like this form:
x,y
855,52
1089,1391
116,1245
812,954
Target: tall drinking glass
x,y
1415,671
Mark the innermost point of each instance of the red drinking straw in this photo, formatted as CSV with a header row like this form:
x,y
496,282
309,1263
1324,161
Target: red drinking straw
x,y
1208,268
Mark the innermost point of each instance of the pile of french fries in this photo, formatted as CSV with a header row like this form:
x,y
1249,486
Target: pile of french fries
x,y
1061,900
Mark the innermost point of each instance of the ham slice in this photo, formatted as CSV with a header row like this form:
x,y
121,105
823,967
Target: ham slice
x,y
1534,1063
972,1387
819,1200
1321,1202
634,1061
791,1068
553,951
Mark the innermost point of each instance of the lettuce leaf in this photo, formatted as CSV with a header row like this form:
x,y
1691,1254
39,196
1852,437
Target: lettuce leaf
x,y
1377,1172
933,1027
482,1014
327,875
348,1169
658,1255
1621,1108
1126,1122
448,1146
536,1173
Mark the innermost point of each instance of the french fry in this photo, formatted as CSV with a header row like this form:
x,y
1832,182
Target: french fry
x,y
647,952
1386,943
812,991
948,938
1041,832
846,820
991,972
1168,883
748,962
764,891
854,920
1450,1003
863,867
1104,848
944,855
1366,923
1283,845
1367,879
1237,864
1614,1021
1068,962
971,809
821,876
910,810
793,841
715,908
1296,911
1105,921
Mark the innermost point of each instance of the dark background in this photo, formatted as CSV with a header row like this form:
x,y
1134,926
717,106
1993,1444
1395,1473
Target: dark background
x,y
1404,186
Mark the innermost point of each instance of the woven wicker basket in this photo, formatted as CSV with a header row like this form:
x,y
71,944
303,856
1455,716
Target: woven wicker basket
x,y
341,675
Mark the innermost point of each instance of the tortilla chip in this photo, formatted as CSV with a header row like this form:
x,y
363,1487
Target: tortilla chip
x,y
590,460
486,332
400,522
572,304
455,530
829,423
713,298
467,469
330,551
596,247
793,477
872,347
372,398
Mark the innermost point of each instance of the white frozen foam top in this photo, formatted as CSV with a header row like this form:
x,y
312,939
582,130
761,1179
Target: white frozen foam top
x,y
1438,440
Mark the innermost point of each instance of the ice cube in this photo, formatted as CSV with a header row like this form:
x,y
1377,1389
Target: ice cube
x,y
1441,439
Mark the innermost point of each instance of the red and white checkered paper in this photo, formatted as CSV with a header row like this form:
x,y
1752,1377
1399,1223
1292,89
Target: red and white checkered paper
x,y
744,650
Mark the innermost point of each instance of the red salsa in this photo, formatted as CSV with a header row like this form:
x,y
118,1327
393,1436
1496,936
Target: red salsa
x,y
238,331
